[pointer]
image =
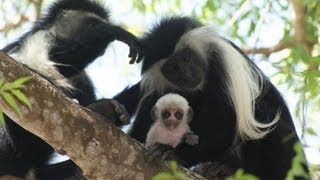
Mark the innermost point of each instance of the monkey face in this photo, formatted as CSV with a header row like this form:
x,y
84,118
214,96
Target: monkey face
x,y
84,27
88,30
185,69
172,117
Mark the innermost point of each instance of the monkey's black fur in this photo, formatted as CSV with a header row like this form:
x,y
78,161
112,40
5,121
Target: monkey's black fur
x,y
189,57
77,31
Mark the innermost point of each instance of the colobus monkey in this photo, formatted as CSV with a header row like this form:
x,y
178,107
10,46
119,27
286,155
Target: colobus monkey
x,y
71,35
241,118
171,115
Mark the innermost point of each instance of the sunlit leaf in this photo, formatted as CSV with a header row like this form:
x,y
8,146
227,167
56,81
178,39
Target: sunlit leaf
x,y
240,175
19,82
173,166
10,100
1,82
21,97
181,176
163,176
2,122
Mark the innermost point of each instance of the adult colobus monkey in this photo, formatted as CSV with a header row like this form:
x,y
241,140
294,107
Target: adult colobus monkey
x,y
240,117
60,45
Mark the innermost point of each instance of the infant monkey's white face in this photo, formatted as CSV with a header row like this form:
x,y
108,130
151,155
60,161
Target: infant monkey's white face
x,y
172,116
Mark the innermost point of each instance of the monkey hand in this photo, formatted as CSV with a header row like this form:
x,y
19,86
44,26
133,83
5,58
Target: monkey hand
x,y
135,51
111,110
213,170
159,152
191,138
133,43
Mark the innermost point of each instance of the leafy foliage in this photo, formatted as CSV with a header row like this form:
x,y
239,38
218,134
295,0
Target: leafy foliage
x,y
12,92
240,175
298,165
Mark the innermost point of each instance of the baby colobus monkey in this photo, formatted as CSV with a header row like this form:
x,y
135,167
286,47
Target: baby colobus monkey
x,y
171,115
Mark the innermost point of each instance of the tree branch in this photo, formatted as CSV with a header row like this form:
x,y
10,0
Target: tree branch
x,y
99,148
299,34
268,50
11,25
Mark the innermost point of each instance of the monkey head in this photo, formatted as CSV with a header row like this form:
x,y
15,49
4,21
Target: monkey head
x,y
174,58
82,27
172,110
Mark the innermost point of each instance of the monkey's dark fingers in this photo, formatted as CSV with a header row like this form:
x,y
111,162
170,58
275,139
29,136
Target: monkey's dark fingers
x,y
212,170
129,39
120,110
111,110
133,55
192,139
140,56
158,152
135,52
150,154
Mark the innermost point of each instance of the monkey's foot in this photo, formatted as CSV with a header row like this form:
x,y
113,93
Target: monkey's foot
x,y
159,152
213,170
111,110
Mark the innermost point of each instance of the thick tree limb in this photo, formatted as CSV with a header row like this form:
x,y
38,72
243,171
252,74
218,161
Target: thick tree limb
x,y
98,147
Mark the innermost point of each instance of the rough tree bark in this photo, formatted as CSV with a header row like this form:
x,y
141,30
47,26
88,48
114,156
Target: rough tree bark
x,y
100,149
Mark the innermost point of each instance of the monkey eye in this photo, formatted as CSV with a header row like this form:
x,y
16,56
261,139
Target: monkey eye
x,y
165,114
91,22
178,115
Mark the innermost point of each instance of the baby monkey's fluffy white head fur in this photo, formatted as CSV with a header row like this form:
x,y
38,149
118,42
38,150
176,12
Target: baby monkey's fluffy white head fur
x,y
173,100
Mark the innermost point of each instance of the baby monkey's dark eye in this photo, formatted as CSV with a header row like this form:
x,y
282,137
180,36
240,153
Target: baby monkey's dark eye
x,y
178,115
165,114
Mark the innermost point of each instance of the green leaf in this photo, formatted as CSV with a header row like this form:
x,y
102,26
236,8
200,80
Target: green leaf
x,y
2,122
181,176
163,176
311,131
174,167
6,86
240,175
1,82
19,82
23,98
10,100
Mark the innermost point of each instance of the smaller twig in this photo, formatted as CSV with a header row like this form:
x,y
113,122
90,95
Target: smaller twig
x,y
268,50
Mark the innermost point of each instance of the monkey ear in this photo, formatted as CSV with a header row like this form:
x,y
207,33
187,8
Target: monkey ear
x,y
190,114
153,112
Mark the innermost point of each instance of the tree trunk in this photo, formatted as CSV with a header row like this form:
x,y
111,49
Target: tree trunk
x,y
98,147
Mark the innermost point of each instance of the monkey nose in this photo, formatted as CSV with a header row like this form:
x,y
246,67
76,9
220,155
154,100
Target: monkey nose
x,y
171,121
